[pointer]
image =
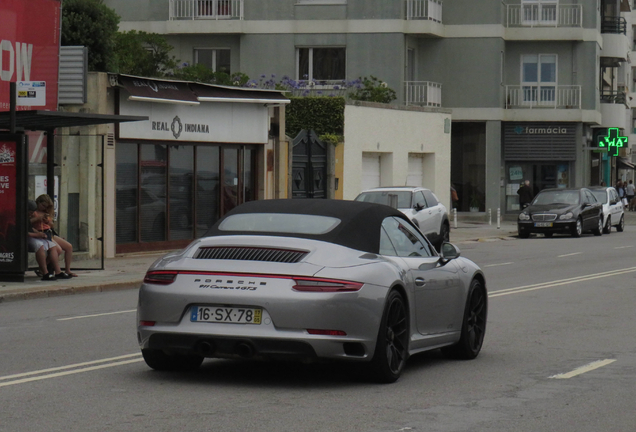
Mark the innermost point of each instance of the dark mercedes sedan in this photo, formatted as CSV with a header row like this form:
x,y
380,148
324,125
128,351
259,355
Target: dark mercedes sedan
x,y
562,211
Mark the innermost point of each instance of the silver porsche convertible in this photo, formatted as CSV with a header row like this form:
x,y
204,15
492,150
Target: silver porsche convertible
x,y
311,280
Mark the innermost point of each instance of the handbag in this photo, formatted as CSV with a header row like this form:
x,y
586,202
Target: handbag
x,y
49,234
624,200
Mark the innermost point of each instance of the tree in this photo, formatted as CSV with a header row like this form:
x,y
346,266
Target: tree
x,y
143,54
92,24
373,90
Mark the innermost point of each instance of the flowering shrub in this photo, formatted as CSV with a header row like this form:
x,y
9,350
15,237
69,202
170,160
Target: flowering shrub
x,y
373,90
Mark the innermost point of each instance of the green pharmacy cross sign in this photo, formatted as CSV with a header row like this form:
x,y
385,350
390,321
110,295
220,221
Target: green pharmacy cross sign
x,y
612,142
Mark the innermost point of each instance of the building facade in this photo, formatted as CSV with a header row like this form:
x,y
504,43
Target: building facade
x,y
533,85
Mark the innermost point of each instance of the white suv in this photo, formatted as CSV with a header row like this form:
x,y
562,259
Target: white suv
x,y
420,205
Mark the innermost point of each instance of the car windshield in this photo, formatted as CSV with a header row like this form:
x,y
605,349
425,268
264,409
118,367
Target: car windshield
x,y
557,197
600,195
279,223
382,197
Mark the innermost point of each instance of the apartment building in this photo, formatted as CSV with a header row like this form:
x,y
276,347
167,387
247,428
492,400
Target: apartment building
x,y
533,85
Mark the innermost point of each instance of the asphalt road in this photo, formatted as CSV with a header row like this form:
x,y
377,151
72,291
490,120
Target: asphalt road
x,y
559,355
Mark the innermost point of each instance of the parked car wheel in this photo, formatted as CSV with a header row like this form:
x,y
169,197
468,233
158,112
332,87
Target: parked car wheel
x,y
599,228
608,226
391,349
524,235
621,224
578,228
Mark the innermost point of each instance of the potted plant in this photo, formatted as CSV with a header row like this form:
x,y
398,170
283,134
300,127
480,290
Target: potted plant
x,y
474,203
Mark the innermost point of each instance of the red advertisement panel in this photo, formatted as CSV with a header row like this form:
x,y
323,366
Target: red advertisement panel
x,y
29,47
8,195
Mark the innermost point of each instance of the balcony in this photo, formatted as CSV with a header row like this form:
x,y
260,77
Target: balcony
x,y
423,93
206,9
424,10
614,96
614,25
544,15
543,97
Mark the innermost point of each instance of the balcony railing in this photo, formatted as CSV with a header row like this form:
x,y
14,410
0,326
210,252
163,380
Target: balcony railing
x,y
423,93
613,96
615,25
544,96
206,9
544,15
424,10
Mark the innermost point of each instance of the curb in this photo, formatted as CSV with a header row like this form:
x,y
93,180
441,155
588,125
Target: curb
x,y
36,293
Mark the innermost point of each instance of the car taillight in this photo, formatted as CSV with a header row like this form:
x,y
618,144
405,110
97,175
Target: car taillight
x,y
147,323
325,285
160,277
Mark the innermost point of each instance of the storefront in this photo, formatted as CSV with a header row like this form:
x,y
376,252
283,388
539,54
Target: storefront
x,y
200,154
543,153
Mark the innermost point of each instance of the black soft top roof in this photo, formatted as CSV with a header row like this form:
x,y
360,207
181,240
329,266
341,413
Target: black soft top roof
x,y
359,227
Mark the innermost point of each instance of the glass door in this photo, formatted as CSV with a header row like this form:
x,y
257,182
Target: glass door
x,y
538,79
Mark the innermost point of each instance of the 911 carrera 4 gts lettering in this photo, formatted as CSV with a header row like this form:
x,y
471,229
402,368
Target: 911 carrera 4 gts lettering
x,y
241,288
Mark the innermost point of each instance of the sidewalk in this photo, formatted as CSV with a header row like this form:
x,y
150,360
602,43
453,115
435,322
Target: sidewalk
x,y
127,272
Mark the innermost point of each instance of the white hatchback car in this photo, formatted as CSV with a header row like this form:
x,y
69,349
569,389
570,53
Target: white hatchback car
x,y
613,210
420,205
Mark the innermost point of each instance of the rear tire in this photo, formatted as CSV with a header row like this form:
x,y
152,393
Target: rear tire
x,y
621,224
158,360
608,226
391,349
524,235
473,325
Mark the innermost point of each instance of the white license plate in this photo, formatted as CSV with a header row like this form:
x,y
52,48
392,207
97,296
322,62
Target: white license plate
x,y
543,224
226,315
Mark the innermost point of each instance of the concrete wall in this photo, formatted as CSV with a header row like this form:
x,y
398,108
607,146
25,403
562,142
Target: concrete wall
x,y
396,133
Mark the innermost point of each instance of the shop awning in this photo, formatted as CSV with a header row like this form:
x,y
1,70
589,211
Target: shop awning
x,y
154,90
625,163
216,93
39,120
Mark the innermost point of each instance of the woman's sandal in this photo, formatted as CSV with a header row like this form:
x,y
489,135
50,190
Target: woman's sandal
x,y
71,274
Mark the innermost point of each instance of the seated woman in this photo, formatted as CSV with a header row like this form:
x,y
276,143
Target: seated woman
x,y
42,221
38,243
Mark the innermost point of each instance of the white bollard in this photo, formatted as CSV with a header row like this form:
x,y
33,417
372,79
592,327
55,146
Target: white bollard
x,y
489,216
498,218
455,217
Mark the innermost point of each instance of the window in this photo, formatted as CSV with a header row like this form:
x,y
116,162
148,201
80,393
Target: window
x,y
279,223
418,197
218,60
321,64
406,241
320,2
431,199
538,78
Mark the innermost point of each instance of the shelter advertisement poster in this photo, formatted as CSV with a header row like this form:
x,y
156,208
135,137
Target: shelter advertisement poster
x,y
12,205
29,48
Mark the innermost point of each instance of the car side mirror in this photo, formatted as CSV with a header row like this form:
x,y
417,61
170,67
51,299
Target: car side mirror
x,y
449,251
419,207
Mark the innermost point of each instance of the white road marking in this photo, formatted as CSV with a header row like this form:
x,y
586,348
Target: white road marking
x,y
70,372
77,365
552,284
570,254
97,315
623,247
583,369
496,265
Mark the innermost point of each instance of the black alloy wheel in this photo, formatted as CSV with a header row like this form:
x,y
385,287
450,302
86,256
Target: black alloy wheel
x,y
158,360
445,233
599,228
473,325
621,224
578,228
608,226
391,349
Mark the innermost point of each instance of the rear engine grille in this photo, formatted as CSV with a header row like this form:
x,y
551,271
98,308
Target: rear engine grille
x,y
250,254
543,217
